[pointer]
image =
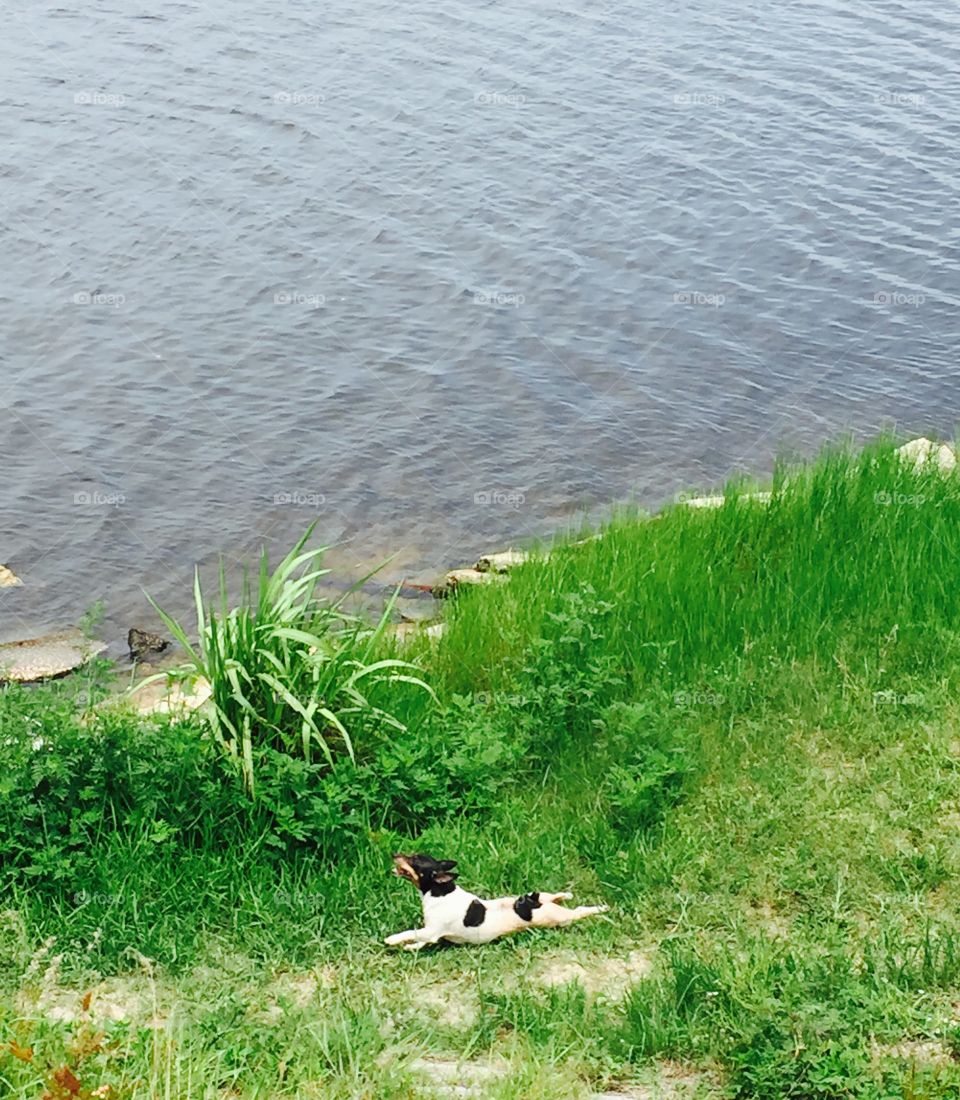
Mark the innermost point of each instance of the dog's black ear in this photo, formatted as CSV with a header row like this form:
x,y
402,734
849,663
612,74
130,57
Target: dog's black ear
x,y
446,864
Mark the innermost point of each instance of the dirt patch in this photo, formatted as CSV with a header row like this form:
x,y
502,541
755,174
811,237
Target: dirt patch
x,y
608,977
678,1080
922,1052
448,1002
132,1000
299,989
775,924
291,990
449,1077
669,1081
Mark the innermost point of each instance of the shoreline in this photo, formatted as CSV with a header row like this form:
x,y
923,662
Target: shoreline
x,y
64,650
497,564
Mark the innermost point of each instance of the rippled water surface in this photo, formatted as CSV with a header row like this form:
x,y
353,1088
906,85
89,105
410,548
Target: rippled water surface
x,y
447,275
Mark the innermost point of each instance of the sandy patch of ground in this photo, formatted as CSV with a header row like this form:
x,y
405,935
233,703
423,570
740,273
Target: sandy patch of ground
x,y
454,1004
922,1052
132,1000
608,977
450,1003
297,990
775,924
671,1081
449,1077
300,988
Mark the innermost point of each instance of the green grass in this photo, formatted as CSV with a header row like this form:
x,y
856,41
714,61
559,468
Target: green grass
x,y
739,728
289,671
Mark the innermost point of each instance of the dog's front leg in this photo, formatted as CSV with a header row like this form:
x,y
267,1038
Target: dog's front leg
x,y
414,939
425,938
403,937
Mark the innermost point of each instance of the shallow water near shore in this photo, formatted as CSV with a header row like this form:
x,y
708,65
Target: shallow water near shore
x,y
449,278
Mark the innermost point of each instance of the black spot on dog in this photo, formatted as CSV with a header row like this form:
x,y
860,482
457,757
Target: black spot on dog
x,y
475,915
525,905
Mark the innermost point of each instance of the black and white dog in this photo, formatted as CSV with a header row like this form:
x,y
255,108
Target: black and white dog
x,y
451,913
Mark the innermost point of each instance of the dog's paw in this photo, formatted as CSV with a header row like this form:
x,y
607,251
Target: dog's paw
x,y
566,896
396,939
415,946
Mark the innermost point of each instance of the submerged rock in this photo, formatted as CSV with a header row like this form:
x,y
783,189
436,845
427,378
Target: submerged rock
x,y
8,579
46,657
502,562
417,611
142,643
411,631
921,450
464,578
717,501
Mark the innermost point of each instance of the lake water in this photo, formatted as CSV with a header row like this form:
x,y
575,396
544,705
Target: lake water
x,y
448,276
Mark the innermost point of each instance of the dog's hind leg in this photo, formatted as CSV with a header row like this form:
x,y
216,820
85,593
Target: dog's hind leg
x,y
551,915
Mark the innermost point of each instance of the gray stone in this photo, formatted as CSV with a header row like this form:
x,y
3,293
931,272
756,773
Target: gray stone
x,y
410,631
42,658
717,500
8,579
416,611
921,450
160,695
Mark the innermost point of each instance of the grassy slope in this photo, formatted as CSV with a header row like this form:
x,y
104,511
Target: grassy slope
x,y
786,929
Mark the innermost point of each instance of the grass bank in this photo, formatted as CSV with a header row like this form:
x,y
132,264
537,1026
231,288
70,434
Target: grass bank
x,y
736,727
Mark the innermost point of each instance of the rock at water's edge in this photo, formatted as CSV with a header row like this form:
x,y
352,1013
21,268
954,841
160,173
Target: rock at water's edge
x,y
921,450
502,562
164,697
718,501
409,632
9,579
142,643
464,578
46,657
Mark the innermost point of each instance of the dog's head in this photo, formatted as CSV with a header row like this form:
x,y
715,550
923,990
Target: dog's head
x,y
429,875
